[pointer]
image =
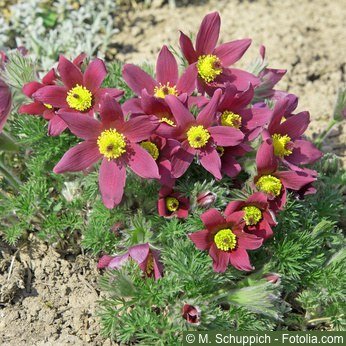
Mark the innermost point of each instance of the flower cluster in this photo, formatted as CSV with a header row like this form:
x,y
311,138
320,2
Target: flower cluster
x,y
210,113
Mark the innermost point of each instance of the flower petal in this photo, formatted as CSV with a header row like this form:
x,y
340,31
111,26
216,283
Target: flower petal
x,y
181,114
78,158
240,260
70,74
265,159
229,165
138,129
112,177
137,79
208,34
94,75
230,52
249,241
225,136
201,239
207,116
142,163
187,48
210,160
139,252
233,206
295,125
52,94
110,110
220,258
241,79
182,159
31,87
187,81
56,126
304,152
212,219
34,108
118,261
166,67
294,180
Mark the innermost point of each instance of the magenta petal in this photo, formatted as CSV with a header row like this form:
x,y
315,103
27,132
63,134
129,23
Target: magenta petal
x,y
56,126
140,252
132,106
166,67
212,218
182,159
78,158
138,129
34,108
5,103
294,180
249,241
110,110
258,199
181,114
220,258
208,33
232,207
187,81
304,152
201,239
231,52
112,177
241,79
137,79
225,136
31,87
236,218
70,74
104,261
81,125
265,159
229,165
295,125
52,94
118,261
165,170
187,48
207,116
142,163
240,260
50,77
210,160
94,75
278,113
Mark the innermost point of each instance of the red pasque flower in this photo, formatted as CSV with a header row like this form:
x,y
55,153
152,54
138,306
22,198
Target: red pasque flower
x,y
225,240
257,216
113,140
172,203
80,92
5,103
200,136
286,135
211,62
148,260
191,314
273,182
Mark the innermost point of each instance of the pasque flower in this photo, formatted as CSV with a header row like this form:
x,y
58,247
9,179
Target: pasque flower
x,y
5,103
113,140
257,216
273,182
285,131
80,92
212,62
191,314
225,240
172,203
148,260
200,136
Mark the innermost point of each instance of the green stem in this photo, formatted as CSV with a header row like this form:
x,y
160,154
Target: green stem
x,y
319,140
9,176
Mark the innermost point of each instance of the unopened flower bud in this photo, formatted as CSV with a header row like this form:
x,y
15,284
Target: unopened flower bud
x,y
191,314
272,277
206,199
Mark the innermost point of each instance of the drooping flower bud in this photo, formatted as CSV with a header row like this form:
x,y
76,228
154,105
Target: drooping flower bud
x,y
191,314
206,199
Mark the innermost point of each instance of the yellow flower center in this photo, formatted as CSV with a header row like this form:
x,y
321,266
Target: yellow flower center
x,y
111,144
150,264
269,184
172,204
220,150
225,240
47,105
252,215
209,67
167,121
230,119
151,148
198,136
280,144
162,91
79,98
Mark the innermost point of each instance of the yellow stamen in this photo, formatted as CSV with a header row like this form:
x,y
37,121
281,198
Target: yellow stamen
x,y
220,150
111,144
252,215
269,184
150,264
162,91
198,136
79,98
209,67
172,204
47,105
225,240
167,121
230,119
151,148
280,143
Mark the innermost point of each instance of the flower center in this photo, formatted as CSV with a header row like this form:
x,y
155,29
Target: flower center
x,y
47,105
209,67
198,136
79,98
225,240
252,215
150,264
269,184
162,91
220,150
172,204
167,121
282,145
230,119
151,148
111,144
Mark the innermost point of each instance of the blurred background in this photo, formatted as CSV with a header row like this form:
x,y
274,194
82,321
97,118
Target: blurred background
x,y
307,38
